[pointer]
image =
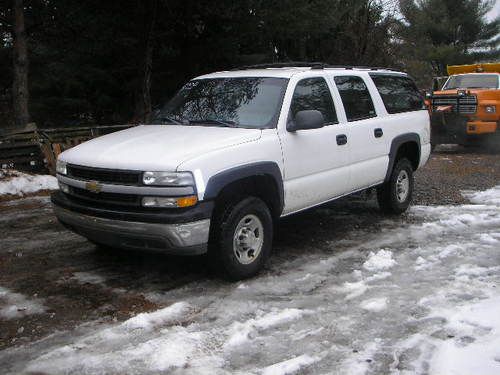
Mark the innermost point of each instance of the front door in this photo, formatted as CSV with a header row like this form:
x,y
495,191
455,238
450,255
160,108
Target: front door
x,y
315,160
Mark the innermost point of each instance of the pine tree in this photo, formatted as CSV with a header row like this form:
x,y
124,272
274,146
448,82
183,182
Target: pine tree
x,y
438,33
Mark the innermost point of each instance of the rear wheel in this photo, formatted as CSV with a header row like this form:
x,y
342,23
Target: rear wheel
x,y
241,238
395,195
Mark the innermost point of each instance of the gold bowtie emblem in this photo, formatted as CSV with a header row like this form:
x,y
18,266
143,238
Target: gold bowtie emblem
x,y
93,186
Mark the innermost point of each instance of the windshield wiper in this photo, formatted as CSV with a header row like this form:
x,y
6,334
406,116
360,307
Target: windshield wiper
x,y
228,123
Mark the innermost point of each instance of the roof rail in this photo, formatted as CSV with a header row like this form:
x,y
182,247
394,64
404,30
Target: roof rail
x,y
312,65
289,64
358,67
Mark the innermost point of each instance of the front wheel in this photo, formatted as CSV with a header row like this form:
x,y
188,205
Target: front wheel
x,y
242,236
395,195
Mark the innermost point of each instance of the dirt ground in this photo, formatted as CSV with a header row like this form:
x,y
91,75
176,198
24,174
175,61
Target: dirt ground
x,y
41,260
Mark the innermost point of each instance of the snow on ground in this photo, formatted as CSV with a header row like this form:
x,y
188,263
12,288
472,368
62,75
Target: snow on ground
x,y
290,366
15,305
374,304
490,196
379,261
18,183
415,298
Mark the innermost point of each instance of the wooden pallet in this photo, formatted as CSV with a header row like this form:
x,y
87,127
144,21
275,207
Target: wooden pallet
x,y
35,150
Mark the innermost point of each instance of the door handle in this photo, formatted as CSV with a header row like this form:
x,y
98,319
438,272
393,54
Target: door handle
x,y
341,139
378,132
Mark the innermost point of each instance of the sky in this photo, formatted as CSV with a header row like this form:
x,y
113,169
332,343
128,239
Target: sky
x,y
495,12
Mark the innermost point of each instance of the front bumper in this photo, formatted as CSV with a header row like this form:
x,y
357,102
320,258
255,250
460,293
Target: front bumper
x,y
183,237
481,127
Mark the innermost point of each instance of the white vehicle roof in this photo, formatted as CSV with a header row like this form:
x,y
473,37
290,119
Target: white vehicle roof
x,y
288,72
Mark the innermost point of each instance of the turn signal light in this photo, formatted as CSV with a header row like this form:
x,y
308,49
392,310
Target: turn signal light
x,y
187,201
167,202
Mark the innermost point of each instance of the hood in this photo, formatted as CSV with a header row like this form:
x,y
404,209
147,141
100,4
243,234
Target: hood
x,y
155,147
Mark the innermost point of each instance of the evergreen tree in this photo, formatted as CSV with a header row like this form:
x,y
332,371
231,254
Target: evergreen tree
x,y
437,33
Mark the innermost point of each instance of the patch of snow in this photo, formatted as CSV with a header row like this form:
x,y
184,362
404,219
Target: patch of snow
x,y
379,276
449,250
241,332
290,366
489,239
18,183
359,362
300,335
374,304
16,305
478,355
173,348
490,196
242,286
153,319
470,270
380,260
353,289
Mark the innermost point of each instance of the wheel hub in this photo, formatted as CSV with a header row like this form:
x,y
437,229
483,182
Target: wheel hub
x,y
402,186
248,239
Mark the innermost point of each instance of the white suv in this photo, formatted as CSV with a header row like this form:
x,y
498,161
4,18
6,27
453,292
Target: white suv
x,y
234,151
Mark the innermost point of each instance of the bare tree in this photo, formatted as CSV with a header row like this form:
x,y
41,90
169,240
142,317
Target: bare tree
x,y
143,92
20,93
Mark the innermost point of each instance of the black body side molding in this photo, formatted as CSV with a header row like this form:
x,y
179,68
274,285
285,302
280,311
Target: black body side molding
x,y
217,182
396,143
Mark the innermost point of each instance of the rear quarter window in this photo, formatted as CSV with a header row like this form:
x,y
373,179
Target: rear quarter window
x,y
399,93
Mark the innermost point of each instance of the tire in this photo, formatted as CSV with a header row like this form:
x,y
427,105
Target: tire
x,y
395,196
238,257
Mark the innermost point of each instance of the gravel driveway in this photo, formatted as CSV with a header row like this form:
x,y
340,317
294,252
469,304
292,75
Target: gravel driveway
x,y
347,290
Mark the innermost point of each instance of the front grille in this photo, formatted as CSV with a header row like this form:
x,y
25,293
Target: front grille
x,y
105,197
466,104
110,176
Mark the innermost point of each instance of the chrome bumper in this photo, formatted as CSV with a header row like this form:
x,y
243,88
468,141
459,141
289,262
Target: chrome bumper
x,y
185,239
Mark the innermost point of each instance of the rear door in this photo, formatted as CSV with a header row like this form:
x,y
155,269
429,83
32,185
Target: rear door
x,y
315,160
369,145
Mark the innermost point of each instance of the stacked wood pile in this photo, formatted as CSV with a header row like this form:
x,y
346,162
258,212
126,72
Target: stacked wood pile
x,y
35,150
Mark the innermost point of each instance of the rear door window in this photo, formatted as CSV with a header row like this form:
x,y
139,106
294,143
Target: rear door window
x,y
356,98
399,93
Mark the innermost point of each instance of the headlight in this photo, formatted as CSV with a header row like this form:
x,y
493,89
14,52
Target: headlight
x,y
61,167
169,202
490,109
168,178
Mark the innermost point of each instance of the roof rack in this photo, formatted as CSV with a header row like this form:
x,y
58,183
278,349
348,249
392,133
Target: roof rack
x,y
289,64
312,65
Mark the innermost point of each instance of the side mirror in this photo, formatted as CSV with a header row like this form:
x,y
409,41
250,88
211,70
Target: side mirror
x,y
308,119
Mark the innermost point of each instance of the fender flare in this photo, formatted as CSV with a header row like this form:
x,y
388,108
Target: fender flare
x,y
395,144
220,180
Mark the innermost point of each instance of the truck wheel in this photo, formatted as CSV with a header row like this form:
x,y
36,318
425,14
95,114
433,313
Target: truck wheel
x,y
241,238
395,196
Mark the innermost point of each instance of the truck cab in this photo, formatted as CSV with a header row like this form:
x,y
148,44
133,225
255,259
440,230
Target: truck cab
x,y
465,109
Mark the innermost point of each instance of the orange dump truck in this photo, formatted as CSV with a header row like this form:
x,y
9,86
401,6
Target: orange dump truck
x,y
466,110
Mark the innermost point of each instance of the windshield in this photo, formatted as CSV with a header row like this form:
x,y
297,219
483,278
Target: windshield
x,y
472,81
248,102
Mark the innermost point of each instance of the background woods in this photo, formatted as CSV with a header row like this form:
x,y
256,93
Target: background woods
x,y
68,62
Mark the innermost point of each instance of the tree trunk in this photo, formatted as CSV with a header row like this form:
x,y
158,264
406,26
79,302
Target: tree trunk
x,y
20,93
143,92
